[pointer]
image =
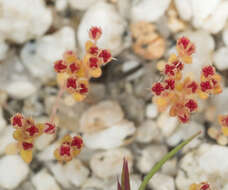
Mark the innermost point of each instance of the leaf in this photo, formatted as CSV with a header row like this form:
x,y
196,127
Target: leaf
x,y
125,180
169,155
118,185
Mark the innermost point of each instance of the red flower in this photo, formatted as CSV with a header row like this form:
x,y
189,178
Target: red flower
x,y
193,86
32,130
105,55
49,128
71,83
170,84
27,146
208,70
77,141
60,66
17,120
191,105
95,33
65,150
158,88
205,86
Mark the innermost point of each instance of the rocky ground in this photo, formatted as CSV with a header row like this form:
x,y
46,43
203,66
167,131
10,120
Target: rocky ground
x,y
118,119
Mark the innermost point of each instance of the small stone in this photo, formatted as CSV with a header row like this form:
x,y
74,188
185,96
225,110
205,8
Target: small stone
x,y
6,138
149,156
109,163
2,120
207,163
58,172
167,124
129,65
25,24
148,131
107,18
225,36
3,48
162,181
61,5
101,116
170,167
147,42
184,9
141,10
151,111
184,132
76,170
47,153
221,58
39,56
82,4
44,181
14,79
222,140
13,171
43,141
112,137
213,132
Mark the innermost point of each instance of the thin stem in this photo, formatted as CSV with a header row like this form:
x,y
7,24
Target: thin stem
x,y
56,105
158,165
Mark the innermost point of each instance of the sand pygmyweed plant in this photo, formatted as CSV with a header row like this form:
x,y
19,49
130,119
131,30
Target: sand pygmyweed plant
x,y
180,93
74,73
26,132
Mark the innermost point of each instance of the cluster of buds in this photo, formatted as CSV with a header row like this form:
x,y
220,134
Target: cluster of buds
x,y
26,132
76,72
180,93
69,148
200,186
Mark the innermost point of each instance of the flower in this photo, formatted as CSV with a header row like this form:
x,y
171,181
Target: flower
x,y
77,72
26,132
69,148
180,93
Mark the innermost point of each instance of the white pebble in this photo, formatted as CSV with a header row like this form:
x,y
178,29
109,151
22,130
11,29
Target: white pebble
x,y
221,58
225,36
162,182
44,181
13,171
111,137
28,19
149,156
148,131
109,163
3,48
39,56
148,10
6,137
82,4
151,111
111,23
2,120
167,124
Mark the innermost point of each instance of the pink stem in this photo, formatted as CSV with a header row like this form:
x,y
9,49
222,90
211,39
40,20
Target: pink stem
x,y
56,105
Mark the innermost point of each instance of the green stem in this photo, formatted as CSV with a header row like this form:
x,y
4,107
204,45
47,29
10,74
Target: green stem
x,y
158,165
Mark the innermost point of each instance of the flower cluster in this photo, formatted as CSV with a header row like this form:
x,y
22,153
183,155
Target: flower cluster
x,y
69,148
200,186
26,132
180,93
223,121
76,72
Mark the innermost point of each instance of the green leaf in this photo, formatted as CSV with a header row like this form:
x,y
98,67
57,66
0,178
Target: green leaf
x,y
158,166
